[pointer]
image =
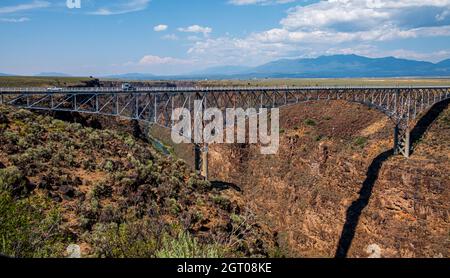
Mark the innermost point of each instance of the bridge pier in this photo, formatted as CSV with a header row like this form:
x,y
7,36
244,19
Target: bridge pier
x,y
402,140
201,160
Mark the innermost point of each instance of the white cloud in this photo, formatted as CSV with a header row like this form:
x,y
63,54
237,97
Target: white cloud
x,y
157,60
194,38
24,7
122,7
442,16
228,50
170,37
358,14
278,35
160,28
331,25
196,29
258,2
15,20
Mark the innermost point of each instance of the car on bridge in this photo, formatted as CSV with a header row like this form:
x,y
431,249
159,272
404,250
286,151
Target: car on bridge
x,y
54,89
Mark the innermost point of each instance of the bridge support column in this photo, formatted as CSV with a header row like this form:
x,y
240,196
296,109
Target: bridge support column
x,y
205,169
201,160
402,140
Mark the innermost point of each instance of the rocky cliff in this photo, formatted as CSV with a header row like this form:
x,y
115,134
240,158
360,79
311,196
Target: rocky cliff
x,y
336,189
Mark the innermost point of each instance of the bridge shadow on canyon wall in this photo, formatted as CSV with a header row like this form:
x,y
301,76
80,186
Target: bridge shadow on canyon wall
x,y
356,208
425,122
221,185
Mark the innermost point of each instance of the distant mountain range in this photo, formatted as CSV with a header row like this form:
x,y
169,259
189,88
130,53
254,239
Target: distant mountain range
x,y
445,63
133,76
341,66
336,66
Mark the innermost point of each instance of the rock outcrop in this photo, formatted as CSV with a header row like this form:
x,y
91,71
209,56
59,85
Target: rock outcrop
x,y
336,189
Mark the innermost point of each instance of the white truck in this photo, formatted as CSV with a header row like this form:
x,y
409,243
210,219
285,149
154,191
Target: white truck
x,y
128,87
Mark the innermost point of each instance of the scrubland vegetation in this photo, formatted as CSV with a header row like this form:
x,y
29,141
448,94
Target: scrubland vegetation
x,y
306,82
113,195
30,81
25,81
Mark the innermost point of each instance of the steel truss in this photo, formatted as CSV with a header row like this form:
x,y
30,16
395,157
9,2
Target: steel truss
x,y
403,105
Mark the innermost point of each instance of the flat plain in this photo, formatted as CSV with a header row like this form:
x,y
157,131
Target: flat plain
x,y
30,81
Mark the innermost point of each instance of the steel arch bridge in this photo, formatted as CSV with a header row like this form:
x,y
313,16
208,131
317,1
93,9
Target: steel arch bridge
x,y
403,105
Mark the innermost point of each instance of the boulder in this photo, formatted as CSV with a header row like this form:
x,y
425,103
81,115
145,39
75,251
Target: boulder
x,y
73,251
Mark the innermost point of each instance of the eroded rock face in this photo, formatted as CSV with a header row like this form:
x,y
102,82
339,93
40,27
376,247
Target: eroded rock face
x,y
335,188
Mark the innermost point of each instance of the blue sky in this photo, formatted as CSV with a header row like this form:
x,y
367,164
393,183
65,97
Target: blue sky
x,y
180,36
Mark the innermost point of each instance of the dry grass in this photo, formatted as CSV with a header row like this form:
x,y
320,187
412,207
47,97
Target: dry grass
x,y
331,82
29,81
25,81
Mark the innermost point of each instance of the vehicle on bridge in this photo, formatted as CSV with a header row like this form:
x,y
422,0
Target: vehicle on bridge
x,y
128,87
54,89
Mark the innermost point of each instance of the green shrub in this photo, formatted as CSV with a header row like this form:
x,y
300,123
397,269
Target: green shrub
x,y
199,202
174,207
360,141
89,164
28,227
197,216
236,218
222,201
310,122
21,114
197,183
133,239
445,120
129,141
31,161
10,137
102,190
94,140
3,119
109,166
185,246
318,138
13,181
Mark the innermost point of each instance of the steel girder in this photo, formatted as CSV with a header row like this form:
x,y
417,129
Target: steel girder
x,y
153,105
